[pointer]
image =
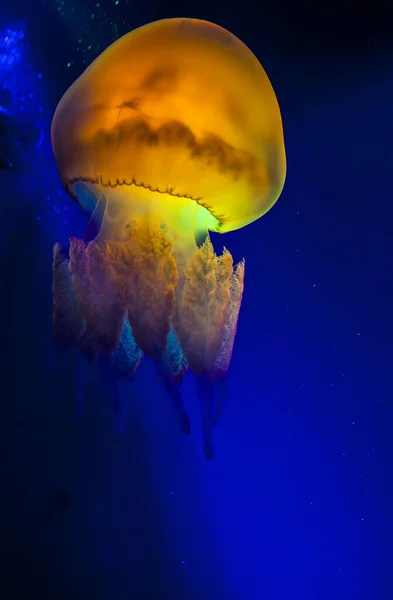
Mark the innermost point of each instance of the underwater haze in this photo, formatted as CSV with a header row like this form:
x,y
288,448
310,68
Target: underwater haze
x,y
297,503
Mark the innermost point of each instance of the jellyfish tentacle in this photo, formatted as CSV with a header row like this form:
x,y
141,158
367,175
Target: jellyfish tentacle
x,y
205,322
68,324
100,301
205,393
221,398
203,308
146,271
176,357
236,287
121,364
95,222
126,358
88,347
82,375
172,388
106,373
223,359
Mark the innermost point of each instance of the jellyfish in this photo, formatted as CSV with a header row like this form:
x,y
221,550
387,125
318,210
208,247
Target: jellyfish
x,y
173,132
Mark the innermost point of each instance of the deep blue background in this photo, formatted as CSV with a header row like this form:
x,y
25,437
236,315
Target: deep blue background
x,y
298,502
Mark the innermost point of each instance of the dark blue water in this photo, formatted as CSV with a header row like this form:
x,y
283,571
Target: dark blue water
x,y
298,501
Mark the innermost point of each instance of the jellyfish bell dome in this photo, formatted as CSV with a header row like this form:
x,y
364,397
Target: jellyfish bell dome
x,y
181,108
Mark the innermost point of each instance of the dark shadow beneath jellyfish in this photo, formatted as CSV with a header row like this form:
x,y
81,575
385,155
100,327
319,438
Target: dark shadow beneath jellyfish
x,y
192,141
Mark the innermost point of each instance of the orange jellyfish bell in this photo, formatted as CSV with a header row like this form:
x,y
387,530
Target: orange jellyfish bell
x,y
180,107
173,131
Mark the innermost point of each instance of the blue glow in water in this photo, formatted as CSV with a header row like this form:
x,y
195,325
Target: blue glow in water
x,y
25,148
10,52
20,93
